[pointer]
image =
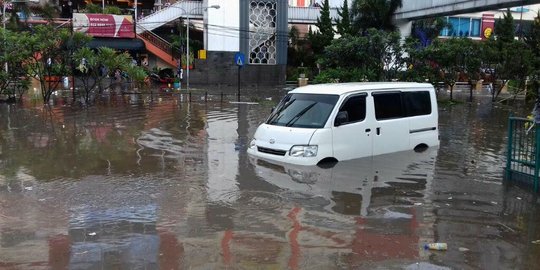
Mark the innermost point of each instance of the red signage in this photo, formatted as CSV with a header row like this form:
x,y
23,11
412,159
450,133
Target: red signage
x,y
488,25
104,25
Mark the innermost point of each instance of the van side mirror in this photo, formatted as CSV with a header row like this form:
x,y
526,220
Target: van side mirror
x,y
272,110
342,117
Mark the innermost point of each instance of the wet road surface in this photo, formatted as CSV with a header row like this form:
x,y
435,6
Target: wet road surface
x,y
160,183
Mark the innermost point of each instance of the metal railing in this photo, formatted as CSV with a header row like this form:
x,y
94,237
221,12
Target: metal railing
x,y
171,13
158,41
308,14
523,156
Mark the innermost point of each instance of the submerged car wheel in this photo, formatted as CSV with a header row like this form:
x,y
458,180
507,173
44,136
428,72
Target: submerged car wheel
x,y
421,148
327,163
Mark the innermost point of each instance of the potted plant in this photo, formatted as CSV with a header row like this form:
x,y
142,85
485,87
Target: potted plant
x,y
189,61
176,84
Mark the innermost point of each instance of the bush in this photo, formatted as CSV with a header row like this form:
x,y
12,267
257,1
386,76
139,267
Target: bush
x,y
333,75
293,73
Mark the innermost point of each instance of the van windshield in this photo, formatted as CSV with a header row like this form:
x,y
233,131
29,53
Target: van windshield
x,y
303,110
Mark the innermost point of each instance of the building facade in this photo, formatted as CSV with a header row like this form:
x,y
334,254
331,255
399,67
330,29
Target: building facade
x,y
255,28
480,25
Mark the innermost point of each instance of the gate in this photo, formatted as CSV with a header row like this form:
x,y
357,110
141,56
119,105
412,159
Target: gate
x,y
523,156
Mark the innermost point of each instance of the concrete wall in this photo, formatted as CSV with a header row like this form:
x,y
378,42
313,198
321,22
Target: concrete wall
x,y
418,9
223,25
219,69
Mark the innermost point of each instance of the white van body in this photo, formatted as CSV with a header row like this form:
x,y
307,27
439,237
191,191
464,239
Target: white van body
x,y
348,120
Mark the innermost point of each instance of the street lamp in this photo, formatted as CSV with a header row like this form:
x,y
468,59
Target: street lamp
x,y
187,40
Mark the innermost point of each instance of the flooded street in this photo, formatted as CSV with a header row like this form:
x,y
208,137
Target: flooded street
x,y
161,183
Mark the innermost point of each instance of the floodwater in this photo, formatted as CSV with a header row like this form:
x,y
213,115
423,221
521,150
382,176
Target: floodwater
x,y
161,183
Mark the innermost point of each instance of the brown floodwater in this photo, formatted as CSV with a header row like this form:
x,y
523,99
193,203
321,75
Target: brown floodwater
x,y
160,183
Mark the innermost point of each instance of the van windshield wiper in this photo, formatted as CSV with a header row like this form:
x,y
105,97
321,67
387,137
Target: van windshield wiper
x,y
277,115
298,115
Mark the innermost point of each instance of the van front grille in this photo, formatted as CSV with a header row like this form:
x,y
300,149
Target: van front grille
x,y
271,151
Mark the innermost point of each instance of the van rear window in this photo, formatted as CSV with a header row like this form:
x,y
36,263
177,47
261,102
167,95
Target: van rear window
x,y
417,103
390,105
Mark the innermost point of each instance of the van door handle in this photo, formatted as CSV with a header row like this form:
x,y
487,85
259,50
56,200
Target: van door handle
x,y
378,131
368,130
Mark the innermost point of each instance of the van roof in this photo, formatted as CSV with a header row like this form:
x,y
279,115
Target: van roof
x,y
342,88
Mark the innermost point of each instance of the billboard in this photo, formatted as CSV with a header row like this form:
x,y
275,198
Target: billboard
x,y
488,24
104,25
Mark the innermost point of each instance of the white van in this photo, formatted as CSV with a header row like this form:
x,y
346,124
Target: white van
x,y
333,122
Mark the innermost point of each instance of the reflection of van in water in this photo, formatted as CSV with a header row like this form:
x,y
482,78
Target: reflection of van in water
x,y
329,122
406,175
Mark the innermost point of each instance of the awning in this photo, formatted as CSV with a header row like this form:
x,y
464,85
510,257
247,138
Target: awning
x,y
130,44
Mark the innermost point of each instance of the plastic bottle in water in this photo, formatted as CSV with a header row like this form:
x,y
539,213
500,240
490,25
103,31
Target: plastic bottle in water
x,y
436,246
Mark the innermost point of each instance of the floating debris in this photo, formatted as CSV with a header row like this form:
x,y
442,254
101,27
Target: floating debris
x,y
436,246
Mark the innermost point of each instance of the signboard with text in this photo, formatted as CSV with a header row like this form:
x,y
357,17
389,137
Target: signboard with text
x,y
104,25
488,24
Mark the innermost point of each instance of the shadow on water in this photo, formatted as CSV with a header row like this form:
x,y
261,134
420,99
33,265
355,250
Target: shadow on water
x,y
160,182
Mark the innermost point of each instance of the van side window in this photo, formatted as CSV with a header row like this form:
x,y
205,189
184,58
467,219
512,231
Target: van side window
x,y
417,103
388,105
355,106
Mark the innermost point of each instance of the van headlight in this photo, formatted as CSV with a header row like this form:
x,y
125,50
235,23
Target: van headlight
x,y
303,151
252,144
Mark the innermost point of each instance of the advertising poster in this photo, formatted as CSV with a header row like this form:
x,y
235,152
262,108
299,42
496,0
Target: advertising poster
x,y
104,25
488,24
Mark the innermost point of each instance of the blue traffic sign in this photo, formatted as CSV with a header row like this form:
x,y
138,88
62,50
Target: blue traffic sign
x,y
239,59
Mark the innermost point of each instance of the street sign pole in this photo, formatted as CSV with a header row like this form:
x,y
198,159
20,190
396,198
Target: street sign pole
x,y
239,60
238,94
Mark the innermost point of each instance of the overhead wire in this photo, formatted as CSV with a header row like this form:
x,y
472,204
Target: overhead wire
x,y
210,28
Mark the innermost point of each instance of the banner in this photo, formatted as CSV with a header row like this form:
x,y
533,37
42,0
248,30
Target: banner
x,y
104,25
488,25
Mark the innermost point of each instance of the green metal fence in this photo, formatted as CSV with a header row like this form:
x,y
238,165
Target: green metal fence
x,y
523,156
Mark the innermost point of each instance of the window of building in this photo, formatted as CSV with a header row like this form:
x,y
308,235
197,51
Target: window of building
x,y
462,27
476,25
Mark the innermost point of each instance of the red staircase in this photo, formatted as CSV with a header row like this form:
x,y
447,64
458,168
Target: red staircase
x,y
157,46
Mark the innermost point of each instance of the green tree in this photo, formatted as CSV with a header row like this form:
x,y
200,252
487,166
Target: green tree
x,y
505,61
300,52
325,34
418,66
343,23
13,80
454,60
48,46
532,39
179,41
375,56
93,67
112,10
377,14
47,11
427,30
93,8
505,28
504,57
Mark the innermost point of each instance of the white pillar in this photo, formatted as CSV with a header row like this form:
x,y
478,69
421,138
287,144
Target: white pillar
x,y
405,28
